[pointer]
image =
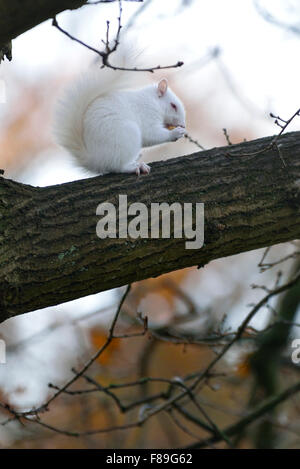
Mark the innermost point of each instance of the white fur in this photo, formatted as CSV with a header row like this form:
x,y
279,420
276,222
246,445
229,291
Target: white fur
x,y
105,126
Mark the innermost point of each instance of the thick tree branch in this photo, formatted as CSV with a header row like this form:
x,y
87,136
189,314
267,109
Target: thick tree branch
x,y
17,16
49,251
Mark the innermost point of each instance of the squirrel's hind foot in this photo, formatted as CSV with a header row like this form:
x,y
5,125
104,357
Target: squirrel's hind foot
x,y
137,168
142,168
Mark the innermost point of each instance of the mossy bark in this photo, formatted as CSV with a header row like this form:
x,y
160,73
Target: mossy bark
x,y
49,251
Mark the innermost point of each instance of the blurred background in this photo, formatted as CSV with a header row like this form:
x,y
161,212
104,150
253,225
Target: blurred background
x,y
240,64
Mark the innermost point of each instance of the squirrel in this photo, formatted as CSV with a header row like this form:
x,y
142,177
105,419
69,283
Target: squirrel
x,y
105,126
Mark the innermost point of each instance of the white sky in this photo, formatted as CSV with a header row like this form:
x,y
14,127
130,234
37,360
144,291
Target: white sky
x,y
261,58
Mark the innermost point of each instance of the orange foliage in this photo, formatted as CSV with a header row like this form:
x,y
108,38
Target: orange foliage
x,y
98,339
25,126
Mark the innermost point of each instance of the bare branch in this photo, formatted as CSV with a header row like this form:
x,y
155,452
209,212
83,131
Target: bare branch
x,y
273,143
260,410
105,55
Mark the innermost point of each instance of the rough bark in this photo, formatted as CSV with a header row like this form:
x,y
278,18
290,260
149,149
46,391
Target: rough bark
x,y
49,251
17,16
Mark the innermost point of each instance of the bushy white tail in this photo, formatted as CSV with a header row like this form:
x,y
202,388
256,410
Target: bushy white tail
x,y
71,107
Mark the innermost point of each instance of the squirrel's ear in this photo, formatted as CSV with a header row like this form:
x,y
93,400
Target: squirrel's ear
x,y
162,87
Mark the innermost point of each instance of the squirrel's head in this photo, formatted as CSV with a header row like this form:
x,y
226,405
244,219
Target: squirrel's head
x,y
172,107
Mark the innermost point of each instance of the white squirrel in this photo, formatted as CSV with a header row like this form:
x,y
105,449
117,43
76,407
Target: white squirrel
x,y
105,126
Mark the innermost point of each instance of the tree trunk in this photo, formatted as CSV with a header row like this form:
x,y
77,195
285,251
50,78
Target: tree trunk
x,y
49,251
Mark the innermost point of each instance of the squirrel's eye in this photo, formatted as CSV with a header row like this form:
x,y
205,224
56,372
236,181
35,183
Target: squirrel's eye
x,y
174,106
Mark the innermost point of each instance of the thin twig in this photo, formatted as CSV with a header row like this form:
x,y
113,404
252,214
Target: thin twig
x,y
86,366
190,139
227,137
109,50
262,409
283,124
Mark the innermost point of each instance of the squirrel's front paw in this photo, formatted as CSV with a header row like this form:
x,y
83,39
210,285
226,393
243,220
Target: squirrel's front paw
x,y
177,133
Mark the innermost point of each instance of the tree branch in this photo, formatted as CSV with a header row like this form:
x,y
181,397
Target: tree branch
x,y
17,17
264,407
49,251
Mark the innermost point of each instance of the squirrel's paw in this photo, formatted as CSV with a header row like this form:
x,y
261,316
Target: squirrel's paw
x,y
137,168
142,168
177,133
